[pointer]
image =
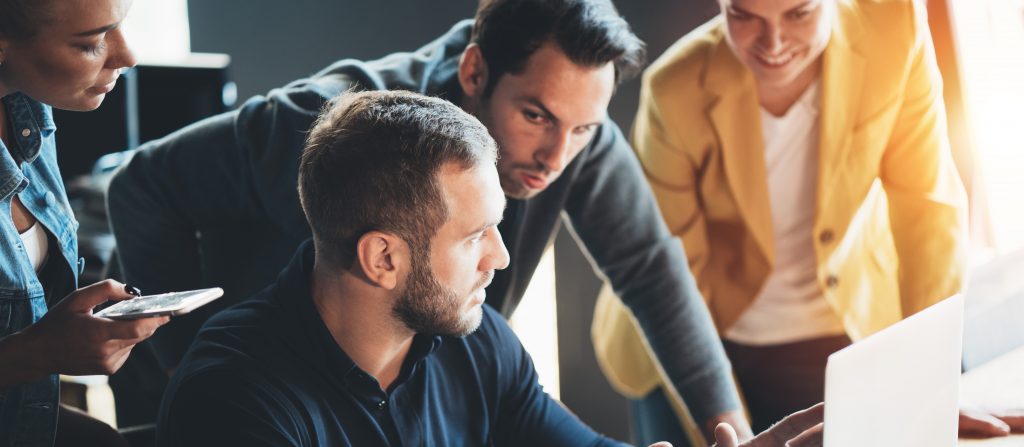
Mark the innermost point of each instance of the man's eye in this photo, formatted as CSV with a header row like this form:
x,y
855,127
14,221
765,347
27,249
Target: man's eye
x,y
533,117
583,130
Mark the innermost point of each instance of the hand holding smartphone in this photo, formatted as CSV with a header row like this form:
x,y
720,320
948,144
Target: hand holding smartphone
x,y
173,303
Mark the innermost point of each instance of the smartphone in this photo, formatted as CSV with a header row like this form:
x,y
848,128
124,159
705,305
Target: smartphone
x,y
174,303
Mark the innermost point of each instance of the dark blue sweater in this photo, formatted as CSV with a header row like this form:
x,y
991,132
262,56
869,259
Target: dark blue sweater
x,y
267,372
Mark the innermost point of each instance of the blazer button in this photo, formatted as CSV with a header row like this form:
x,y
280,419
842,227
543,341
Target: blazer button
x,y
826,236
832,281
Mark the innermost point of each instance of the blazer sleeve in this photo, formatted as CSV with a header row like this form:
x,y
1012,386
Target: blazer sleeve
x,y
220,174
672,174
927,202
614,216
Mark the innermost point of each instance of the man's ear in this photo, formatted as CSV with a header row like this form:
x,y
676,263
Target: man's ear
x,y
384,258
473,71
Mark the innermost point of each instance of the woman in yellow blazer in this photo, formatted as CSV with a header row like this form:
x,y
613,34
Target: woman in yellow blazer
x,y
798,149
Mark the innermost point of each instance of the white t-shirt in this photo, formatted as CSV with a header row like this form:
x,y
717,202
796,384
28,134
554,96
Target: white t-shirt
x,y
36,245
790,306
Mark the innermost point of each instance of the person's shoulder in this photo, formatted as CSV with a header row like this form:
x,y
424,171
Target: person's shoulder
x,y
223,402
881,26
685,61
880,9
237,351
239,335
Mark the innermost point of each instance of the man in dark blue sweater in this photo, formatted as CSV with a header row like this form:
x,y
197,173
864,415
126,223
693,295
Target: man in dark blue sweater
x,y
376,334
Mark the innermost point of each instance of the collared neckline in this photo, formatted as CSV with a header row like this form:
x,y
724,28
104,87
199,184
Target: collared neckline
x,y
30,122
293,293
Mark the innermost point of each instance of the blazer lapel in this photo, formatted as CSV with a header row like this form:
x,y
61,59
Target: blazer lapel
x,y
735,117
842,85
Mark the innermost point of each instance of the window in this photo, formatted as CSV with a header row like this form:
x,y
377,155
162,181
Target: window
x,y
536,323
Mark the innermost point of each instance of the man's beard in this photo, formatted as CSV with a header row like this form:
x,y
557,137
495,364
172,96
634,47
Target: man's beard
x,y
427,307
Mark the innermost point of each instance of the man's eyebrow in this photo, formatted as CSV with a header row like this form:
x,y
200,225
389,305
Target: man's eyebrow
x,y
551,116
99,30
492,223
544,110
484,227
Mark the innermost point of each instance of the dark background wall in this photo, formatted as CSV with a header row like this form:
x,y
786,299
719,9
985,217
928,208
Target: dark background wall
x,y
272,42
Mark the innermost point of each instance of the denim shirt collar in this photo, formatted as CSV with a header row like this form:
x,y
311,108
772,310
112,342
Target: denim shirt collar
x,y
31,121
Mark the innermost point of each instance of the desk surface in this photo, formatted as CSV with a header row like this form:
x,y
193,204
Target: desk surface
x,y
998,384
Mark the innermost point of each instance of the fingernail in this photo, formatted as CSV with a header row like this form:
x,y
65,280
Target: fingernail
x,y
132,290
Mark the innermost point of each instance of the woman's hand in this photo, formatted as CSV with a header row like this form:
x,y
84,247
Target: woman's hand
x,y
69,339
977,423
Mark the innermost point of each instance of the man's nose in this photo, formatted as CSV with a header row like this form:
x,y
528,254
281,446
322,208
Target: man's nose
x,y
555,156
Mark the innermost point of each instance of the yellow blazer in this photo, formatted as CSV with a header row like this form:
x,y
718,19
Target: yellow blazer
x,y
890,221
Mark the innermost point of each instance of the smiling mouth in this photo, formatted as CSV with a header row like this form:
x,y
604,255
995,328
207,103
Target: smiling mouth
x,y
776,61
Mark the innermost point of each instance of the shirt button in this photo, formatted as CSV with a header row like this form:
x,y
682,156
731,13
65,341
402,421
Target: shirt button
x,y
26,132
826,236
49,198
382,405
832,281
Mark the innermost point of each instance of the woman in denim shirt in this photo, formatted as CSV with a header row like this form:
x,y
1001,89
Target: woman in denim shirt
x,y
66,54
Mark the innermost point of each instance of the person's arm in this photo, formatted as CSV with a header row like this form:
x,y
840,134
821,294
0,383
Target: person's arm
x,y
673,176
217,178
222,408
927,203
615,216
70,340
157,202
160,202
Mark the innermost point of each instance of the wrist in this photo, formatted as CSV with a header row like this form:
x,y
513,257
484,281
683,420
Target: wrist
x,y
25,352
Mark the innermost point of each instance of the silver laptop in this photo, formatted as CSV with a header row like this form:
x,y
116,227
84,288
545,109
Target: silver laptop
x,y
898,387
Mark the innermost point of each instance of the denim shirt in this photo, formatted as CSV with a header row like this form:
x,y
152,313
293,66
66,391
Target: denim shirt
x,y
28,412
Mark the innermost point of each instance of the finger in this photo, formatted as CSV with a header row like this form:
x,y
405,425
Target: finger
x,y
725,436
117,359
88,297
131,331
812,437
661,444
1015,420
976,424
796,423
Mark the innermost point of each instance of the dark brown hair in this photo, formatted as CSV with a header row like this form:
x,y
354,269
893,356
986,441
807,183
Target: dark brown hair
x,y
591,33
371,163
22,19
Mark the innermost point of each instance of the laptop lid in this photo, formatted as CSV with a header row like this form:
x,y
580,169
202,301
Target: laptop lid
x,y
898,387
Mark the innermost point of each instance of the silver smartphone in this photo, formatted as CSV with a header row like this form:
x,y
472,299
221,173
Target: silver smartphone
x,y
174,303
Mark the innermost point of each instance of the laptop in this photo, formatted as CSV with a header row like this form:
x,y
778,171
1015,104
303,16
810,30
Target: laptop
x,y
898,387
